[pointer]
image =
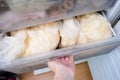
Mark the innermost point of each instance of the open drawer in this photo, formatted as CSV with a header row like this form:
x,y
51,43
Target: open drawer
x,y
79,52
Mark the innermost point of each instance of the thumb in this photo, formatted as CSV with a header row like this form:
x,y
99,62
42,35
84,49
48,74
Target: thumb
x,y
52,65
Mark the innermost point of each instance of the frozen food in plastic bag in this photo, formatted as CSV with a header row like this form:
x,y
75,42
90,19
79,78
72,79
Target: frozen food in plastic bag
x,y
69,32
10,49
42,38
22,36
93,27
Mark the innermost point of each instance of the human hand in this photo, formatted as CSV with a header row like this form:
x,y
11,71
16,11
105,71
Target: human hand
x,y
64,68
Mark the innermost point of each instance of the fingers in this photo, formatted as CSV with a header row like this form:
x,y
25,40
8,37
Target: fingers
x,y
71,58
53,63
63,60
66,58
55,59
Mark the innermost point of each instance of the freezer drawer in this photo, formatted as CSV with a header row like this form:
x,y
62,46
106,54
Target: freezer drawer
x,y
80,52
17,14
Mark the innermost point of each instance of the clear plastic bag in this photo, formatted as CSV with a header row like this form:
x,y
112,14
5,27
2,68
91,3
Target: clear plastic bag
x,y
40,38
10,49
69,32
12,46
93,27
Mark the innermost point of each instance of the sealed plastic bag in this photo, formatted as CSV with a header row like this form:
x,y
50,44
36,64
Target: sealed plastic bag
x,y
10,49
42,38
93,27
22,36
69,32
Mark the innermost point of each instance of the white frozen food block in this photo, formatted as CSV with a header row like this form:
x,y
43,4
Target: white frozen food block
x,y
42,38
93,27
69,32
10,49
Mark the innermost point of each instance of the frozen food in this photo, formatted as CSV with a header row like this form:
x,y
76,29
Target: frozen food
x,y
11,48
93,27
69,32
42,38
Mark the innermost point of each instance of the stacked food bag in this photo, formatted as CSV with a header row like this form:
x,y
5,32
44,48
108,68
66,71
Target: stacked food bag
x,y
42,38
